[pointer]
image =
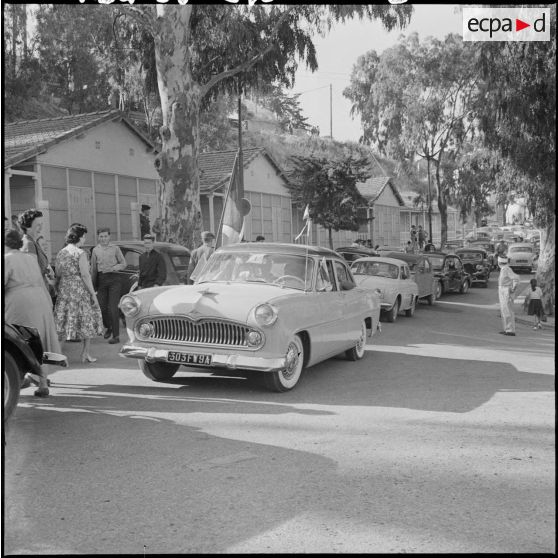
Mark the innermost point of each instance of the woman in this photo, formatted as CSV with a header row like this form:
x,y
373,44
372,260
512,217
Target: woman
x,y
77,313
27,301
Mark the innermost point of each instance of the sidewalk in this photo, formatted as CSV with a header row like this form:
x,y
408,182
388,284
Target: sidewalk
x,y
522,317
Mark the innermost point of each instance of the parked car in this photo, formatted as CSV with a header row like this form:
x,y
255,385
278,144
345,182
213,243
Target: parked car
x,y
522,256
386,249
452,245
477,264
391,279
175,256
421,272
352,253
23,353
449,271
490,248
265,307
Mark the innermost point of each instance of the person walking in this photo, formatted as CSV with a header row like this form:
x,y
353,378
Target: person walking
x,y
533,302
27,301
106,262
409,247
152,269
413,234
507,284
145,225
77,313
200,255
421,237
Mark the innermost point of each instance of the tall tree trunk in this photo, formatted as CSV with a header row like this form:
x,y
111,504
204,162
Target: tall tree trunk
x,y
547,266
330,236
177,162
443,207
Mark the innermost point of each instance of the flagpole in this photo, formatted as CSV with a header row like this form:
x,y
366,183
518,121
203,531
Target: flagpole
x,y
218,239
240,157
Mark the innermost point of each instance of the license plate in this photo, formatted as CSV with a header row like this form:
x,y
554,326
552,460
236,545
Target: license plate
x,y
189,358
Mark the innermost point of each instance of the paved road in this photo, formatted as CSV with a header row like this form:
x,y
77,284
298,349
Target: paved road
x,y
440,440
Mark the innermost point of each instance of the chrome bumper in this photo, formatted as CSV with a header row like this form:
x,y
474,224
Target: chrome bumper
x,y
232,362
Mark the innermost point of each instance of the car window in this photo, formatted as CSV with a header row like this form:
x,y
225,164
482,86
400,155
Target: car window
x,y
405,273
437,262
427,267
376,269
520,249
458,264
343,273
324,281
179,261
132,259
329,267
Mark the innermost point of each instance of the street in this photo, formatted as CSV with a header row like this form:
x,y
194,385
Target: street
x,y
440,440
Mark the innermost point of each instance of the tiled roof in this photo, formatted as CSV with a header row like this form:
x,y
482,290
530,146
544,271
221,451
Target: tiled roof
x,y
215,167
25,139
372,189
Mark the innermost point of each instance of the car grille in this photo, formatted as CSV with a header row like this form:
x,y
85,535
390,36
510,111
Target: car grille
x,y
180,329
521,261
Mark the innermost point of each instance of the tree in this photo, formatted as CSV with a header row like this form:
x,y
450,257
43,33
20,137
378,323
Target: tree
x,y
328,187
286,108
415,101
203,50
517,113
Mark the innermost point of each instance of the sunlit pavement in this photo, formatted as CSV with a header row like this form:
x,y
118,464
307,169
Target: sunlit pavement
x,y
440,440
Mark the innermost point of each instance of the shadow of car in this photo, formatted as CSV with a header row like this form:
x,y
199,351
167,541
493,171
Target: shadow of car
x,y
352,253
421,272
175,256
477,264
450,273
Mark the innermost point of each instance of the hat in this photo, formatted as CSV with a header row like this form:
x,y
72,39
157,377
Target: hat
x,y
144,207
207,235
502,260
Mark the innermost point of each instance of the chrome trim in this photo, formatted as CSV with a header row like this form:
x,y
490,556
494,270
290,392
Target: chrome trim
x,y
201,332
232,362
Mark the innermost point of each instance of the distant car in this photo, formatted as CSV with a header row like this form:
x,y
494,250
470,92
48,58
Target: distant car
x,y
352,253
391,279
477,264
23,353
175,256
522,256
264,307
421,272
452,245
450,273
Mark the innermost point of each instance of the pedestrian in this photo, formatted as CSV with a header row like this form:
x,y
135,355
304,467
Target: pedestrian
x,y
77,313
152,269
501,249
409,247
106,263
507,284
157,229
533,302
200,255
356,243
27,301
260,238
15,224
145,225
31,224
413,234
421,237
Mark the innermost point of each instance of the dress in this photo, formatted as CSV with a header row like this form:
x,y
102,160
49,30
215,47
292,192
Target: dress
x,y
535,303
26,299
74,315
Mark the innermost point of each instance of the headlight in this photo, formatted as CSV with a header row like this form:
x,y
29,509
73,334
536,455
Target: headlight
x,y
379,293
265,314
130,305
254,338
146,329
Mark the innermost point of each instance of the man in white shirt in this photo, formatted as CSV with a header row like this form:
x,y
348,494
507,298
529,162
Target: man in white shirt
x,y
507,284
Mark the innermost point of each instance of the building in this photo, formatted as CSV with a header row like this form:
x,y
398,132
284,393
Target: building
x,y
96,169
265,187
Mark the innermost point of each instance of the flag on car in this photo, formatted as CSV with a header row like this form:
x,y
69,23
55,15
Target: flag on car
x,y
307,224
236,208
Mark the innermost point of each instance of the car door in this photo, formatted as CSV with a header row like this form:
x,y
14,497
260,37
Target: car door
x,y
129,275
407,287
351,304
421,279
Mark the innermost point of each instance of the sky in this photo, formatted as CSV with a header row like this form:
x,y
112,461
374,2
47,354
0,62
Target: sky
x,y
338,52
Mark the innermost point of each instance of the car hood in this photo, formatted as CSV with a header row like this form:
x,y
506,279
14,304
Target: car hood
x,y
232,301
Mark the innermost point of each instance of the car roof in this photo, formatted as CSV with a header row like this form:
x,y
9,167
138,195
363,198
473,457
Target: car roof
x,y
471,249
355,250
437,254
383,259
280,248
405,256
521,244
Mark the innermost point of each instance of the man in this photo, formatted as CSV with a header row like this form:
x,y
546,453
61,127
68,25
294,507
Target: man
x,y
414,236
421,237
145,225
507,284
409,247
152,269
200,255
501,249
106,261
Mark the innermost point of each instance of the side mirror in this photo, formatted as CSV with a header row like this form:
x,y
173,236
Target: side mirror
x,y
347,285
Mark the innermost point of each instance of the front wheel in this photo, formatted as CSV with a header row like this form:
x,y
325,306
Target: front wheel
x,y
12,385
410,312
287,378
392,314
158,371
357,352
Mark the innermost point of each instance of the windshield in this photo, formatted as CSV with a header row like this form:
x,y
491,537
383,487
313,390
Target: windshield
x,y
520,249
247,267
376,269
471,256
437,262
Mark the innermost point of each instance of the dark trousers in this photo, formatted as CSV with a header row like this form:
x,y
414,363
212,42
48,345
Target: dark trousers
x,y
108,295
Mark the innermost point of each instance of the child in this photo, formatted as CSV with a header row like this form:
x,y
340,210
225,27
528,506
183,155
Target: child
x,y
534,299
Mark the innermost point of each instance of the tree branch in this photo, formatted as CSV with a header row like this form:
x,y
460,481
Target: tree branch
x,y
140,16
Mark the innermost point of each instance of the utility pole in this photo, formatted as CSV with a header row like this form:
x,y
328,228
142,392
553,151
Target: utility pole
x,y
330,111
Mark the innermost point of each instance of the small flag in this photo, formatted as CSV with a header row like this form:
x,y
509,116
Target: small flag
x,y
307,223
236,207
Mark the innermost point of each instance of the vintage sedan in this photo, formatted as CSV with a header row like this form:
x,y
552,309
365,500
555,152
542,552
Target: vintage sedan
x,y
477,264
490,248
352,253
450,273
391,279
522,256
264,307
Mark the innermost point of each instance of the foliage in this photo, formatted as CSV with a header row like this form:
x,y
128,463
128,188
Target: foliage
x,y
286,108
